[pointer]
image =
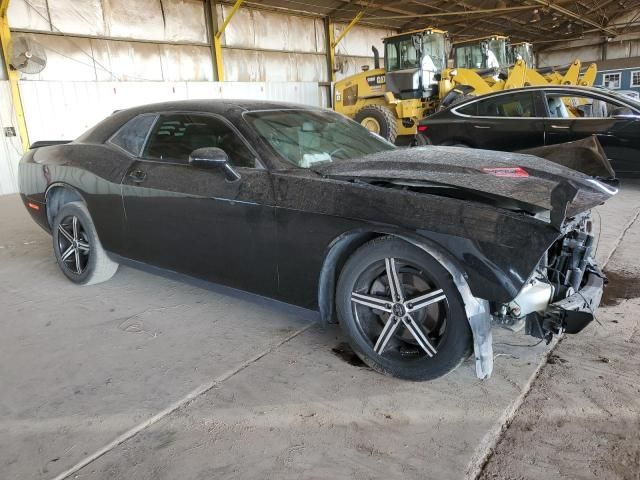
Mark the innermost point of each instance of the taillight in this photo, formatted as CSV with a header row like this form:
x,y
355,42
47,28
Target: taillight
x,y
422,128
516,172
33,206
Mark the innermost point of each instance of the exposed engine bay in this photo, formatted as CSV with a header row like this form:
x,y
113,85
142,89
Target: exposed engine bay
x,y
565,276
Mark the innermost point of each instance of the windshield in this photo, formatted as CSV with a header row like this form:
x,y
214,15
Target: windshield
x,y
401,54
485,54
522,51
307,138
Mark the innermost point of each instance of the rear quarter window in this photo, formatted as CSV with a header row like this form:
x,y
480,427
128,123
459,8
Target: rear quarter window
x,y
132,135
471,109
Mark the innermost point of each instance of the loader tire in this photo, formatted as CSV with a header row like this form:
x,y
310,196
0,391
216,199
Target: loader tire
x,y
379,119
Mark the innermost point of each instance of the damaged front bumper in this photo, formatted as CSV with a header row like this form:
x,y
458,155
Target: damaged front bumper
x,y
573,313
578,310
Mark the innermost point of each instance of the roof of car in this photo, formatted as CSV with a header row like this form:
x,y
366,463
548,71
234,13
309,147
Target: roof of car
x,y
547,88
217,105
225,107
544,87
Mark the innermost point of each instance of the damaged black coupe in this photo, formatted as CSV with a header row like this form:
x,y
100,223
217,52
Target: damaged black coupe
x,y
416,252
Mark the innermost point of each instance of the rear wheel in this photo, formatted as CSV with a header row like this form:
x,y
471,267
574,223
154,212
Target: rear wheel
x,y
401,311
77,248
379,119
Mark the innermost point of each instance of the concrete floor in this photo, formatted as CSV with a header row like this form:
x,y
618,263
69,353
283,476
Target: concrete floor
x,y
148,377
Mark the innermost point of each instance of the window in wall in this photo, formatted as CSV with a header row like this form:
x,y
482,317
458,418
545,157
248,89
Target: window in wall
x,y
635,78
175,136
132,135
611,80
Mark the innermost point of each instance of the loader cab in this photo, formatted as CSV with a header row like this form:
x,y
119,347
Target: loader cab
x,y
521,51
413,61
481,53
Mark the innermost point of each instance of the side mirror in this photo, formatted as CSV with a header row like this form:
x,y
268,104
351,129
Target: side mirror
x,y
212,157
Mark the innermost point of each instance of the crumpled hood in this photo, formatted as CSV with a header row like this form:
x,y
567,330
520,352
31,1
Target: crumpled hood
x,y
466,169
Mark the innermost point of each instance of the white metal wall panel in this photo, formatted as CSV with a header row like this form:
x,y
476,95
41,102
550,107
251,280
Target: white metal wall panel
x,y
32,17
185,21
10,147
186,62
71,16
127,61
258,29
619,49
273,47
307,93
259,66
57,110
140,19
359,40
166,20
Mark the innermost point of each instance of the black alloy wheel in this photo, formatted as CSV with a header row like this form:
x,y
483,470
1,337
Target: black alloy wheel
x,y
73,245
401,311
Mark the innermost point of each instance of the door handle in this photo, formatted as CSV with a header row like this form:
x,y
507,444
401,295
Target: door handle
x,y
560,127
137,176
481,126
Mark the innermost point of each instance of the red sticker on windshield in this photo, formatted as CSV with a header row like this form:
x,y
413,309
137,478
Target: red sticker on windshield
x,y
515,172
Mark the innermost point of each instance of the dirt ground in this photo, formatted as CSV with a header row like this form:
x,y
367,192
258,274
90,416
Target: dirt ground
x,y
581,418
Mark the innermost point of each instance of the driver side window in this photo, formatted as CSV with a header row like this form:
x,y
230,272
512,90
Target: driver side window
x,y
175,136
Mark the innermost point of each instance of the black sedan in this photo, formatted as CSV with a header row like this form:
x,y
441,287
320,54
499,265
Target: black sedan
x,y
415,252
529,117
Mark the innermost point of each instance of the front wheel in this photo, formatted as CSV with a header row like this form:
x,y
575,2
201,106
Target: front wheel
x,y
379,120
77,247
401,312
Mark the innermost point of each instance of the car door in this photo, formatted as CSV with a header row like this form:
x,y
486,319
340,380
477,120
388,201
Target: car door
x,y
508,122
194,220
572,116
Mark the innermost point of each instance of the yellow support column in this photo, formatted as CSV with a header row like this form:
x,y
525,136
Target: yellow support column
x,y
12,75
217,40
334,43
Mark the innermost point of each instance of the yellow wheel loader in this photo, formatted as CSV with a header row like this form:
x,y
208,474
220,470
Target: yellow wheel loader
x,y
503,65
415,80
391,100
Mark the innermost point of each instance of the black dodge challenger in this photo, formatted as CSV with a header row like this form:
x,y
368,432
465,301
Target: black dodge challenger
x,y
416,252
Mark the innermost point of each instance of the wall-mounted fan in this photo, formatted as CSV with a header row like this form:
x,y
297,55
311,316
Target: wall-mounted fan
x,y
339,63
27,55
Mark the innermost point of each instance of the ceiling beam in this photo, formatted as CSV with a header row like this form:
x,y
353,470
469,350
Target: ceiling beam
x,y
576,16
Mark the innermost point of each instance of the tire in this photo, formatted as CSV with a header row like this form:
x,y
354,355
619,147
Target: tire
x,y
380,118
401,353
80,245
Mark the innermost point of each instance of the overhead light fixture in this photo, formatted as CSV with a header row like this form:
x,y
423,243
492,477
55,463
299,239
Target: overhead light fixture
x,y
569,28
535,17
